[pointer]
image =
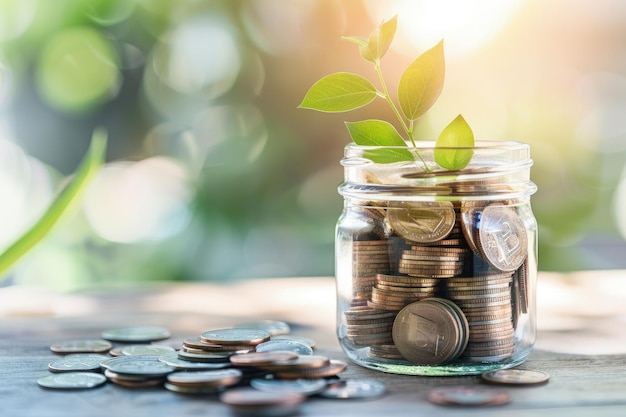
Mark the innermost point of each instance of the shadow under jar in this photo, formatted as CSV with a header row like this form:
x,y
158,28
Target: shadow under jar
x,y
436,270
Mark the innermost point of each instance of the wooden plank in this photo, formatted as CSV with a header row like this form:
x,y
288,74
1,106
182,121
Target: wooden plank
x,y
579,385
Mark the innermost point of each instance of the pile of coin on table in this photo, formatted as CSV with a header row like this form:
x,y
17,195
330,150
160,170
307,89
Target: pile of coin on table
x,y
460,269
258,367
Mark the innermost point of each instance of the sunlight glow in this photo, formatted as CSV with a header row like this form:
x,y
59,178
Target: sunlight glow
x,y
465,25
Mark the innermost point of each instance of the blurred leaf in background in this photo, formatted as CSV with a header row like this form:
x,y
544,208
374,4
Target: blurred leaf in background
x,y
213,172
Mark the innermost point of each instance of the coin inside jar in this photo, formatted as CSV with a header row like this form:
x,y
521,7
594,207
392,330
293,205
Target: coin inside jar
x,y
432,331
422,222
502,237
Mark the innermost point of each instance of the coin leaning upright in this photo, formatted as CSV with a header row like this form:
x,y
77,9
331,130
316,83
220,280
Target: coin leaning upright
x,y
422,221
502,238
430,332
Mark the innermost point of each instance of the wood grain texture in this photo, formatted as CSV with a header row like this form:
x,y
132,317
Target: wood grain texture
x,y
580,385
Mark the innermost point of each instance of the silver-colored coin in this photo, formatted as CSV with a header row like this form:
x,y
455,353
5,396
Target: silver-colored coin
x,y
136,334
182,365
81,346
273,327
516,377
72,380
210,378
236,336
301,386
305,340
285,345
77,363
354,388
138,365
106,364
503,241
147,350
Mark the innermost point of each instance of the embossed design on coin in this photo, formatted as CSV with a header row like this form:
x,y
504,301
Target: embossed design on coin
x,y
236,336
285,345
516,377
72,380
502,238
78,362
422,222
432,331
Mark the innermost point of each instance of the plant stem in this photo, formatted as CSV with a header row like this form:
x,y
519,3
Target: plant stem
x,y
387,97
407,129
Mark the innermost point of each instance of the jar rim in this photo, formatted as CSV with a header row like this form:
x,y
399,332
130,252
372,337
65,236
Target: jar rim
x,y
431,144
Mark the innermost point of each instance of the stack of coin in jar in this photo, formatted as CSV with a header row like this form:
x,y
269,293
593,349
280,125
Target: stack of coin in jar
x,y
471,254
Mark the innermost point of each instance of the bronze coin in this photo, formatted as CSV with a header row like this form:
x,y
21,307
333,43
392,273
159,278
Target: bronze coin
x,y
428,332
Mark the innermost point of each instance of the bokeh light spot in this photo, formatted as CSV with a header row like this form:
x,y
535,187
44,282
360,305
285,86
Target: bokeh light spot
x,y
78,69
140,201
16,17
25,191
200,54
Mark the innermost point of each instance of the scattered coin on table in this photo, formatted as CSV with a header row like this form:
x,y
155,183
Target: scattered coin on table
x,y
81,346
302,386
136,334
77,363
248,401
283,345
251,382
354,388
72,380
468,396
273,327
516,377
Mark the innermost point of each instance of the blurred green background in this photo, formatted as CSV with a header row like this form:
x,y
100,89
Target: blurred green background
x,y
214,174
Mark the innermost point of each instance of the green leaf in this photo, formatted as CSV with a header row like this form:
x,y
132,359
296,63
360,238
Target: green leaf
x,y
381,134
356,40
339,92
453,149
422,82
379,40
87,169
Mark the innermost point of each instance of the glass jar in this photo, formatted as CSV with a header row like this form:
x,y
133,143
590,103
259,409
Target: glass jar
x,y
436,270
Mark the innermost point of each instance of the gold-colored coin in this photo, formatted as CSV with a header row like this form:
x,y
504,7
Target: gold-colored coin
x,y
421,221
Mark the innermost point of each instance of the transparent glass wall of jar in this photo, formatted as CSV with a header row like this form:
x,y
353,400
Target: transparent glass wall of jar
x,y
436,270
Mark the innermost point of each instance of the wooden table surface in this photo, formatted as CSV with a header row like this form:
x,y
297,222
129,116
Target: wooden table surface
x,y
581,344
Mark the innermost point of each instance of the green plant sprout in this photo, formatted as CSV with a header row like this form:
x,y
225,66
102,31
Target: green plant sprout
x,y
85,172
419,88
